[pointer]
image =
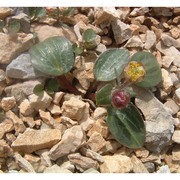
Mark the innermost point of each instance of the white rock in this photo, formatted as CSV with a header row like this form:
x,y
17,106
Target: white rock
x,y
164,169
177,95
7,103
56,169
139,11
150,39
57,97
134,41
100,112
166,61
176,136
72,139
169,41
101,48
68,165
54,109
172,106
25,108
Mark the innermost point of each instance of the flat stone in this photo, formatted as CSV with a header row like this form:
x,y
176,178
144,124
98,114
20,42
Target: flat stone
x,y
5,149
56,169
177,95
5,12
158,121
166,61
175,32
82,163
72,139
68,165
7,103
139,11
134,41
176,153
18,123
57,97
172,106
122,32
138,166
24,163
162,11
40,102
6,126
21,68
33,140
20,44
2,75
169,51
176,136
25,108
54,109
150,39
164,169
96,142
46,31
169,41
116,164
142,153
73,108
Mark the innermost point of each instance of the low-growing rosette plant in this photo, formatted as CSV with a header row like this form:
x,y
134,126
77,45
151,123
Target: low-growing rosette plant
x,y
55,57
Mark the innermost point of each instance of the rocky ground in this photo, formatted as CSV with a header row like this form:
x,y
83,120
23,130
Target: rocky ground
x,y
65,133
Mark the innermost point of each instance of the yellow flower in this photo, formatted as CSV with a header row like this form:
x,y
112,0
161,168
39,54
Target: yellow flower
x,y
134,71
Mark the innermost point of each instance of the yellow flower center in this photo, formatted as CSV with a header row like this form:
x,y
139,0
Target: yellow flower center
x,y
134,71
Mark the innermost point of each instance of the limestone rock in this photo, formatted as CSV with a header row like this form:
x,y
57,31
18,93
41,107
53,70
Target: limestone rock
x,y
122,32
166,61
101,48
72,139
164,169
54,109
18,123
56,169
20,44
100,112
68,122
7,103
150,39
6,126
40,102
176,136
96,142
142,153
174,78
176,153
57,97
177,95
23,163
138,166
45,31
33,140
82,163
21,68
172,106
73,108
2,75
5,12
169,51
5,150
68,165
134,41
29,121
158,121
139,11
25,108
116,164
175,32
169,41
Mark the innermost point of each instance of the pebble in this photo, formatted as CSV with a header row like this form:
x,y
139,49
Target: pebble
x,y
22,43
68,165
57,97
176,136
2,75
176,152
169,41
175,80
6,126
5,150
5,12
175,32
32,140
7,103
150,166
139,11
122,32
101,48
73,108
164,169
142,153
162,11
54,109
172,106
166,61
68,122
82,163
21,68
134,41
99,112
150,39
46,118
107,41
73,138
29,121
23,163
177,95
45,158
25,108
56,169
116,164
91,170
40,102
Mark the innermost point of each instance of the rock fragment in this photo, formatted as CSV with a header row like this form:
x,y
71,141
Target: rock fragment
x,y
139,11
166,61
7,103
5,149
172,106
32,140
176,136
56,169
57,97
150,39
6,126
134,41
25,108
169,41
176,153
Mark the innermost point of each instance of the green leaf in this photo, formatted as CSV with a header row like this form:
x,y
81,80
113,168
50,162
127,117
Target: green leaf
x,y
153,71
37,12
54,56
127,126
38,90
77,50
1,25
52,85
103,96
89,35
13,26
108,61
69,11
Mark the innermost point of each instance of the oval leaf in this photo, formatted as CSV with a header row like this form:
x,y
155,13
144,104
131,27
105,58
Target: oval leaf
x,y
153,71
89,35
38,90
127,126
103,96
109,62
13,26
54,56
52,85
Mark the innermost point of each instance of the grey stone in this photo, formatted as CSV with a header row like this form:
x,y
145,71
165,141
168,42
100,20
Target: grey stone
x,y
101,48
139,11
150,39
56,169
169,51
21,68
122,32
150,166
158,121
162,11
164,169
91,170
172,106
169,41
134,41
2,75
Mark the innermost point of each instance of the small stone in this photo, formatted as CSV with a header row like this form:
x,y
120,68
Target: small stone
x,y
140,19
6,126
29,121
164,169
111,146
2,87
2,75
25,108
176,136
116,164
166,81
22,43
174,79
153,157
149,166
18,123
5,150
100,112
142,153
176,153
96,142
135,29
33,140
107,41
81,17
96,29
24,163
68,165
139,11
5,12
169,41
82,163
150,39
12,165
177,95
172,106
138,166
7,103
10,138
56,169
73,108
167,61
73,138
175,32
68,122
91,170
162,11
21,68
134,41
101,48
122,32
54,109
40,102
77,32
